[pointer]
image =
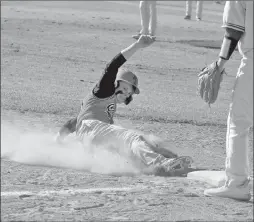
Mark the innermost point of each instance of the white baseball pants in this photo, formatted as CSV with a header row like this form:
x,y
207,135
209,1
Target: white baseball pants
x,y
148,14
240,119
199,8
131,143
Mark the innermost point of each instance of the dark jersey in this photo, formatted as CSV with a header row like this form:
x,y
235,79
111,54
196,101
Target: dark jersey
x,y
106,86
101,103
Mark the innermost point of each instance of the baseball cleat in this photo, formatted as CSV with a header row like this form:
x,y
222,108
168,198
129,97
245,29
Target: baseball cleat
x,y
182,162
187,17
152,36
178,165
136,36
241,192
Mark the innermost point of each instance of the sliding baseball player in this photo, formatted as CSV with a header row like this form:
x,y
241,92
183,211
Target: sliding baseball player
x,y
95,120
238,24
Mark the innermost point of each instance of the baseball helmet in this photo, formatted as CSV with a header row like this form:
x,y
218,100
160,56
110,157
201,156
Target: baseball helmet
x,y
128,77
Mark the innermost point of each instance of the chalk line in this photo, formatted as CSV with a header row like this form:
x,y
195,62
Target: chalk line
x,y
68,191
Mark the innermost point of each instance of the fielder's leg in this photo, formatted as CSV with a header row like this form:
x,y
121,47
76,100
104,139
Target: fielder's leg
x,y
240,119
144,15
188,10
153,18
199,10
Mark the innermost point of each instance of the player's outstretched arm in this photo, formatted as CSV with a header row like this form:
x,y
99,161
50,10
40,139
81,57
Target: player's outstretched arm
x,y
106,85
143,42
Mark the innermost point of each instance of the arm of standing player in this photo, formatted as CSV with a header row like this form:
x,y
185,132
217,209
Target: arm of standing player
x,y
228,46
233,22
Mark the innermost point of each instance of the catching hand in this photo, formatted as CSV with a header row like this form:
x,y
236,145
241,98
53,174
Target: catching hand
x,y
145,40
209,80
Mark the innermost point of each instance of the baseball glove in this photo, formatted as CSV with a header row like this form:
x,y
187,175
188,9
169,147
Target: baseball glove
x,y
209,80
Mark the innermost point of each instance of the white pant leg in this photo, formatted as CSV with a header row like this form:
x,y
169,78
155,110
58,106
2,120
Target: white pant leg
x,y
145,16
188,8
153,17
130,143
101,134
145,155
199,9
240,119
109,136
152,150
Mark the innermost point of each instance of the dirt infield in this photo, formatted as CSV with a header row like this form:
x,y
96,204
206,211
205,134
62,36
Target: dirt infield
x,y
52,53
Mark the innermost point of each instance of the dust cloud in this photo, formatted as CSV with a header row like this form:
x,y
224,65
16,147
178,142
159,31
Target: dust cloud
x,y
39,148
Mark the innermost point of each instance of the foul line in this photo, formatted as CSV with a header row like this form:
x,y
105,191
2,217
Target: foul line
x,y
68,191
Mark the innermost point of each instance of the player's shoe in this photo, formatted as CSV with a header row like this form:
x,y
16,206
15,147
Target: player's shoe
x,y
241,192
136,36
178,166
180,162
198,19
187,17
152,36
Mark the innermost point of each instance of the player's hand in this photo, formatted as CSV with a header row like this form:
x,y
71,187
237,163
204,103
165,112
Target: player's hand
x,y
145,40
209,80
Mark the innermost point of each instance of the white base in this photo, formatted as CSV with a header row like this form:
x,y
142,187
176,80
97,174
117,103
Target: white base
x,y
213,178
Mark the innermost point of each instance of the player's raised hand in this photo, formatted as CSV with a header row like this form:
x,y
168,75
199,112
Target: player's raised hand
x,y
145,40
